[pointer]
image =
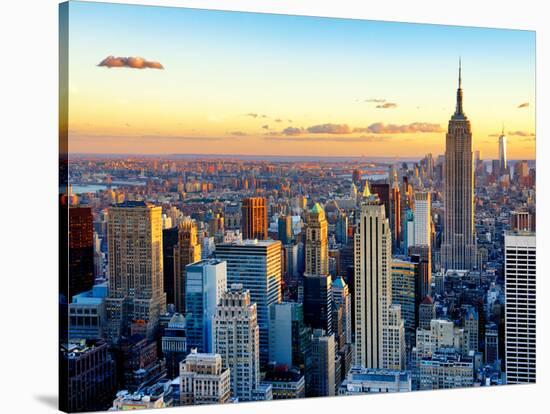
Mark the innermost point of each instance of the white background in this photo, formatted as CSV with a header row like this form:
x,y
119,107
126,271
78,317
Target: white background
x,y
28,191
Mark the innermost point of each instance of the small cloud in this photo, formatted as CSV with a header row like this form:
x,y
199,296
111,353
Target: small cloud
x,y
415,127
521,134
278,120
134,62
252,115
292,131
263,116
330,129
523,105
387,105
346,139
289,121
238,133
265,126
375,100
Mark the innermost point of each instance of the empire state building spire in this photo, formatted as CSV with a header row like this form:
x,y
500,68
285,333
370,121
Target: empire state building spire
x,y
458,249
459,111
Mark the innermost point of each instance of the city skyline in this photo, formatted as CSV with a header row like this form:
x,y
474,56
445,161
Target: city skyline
x,y
289,85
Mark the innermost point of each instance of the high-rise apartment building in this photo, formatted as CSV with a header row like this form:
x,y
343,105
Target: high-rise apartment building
x,y
404,281
257,266
206,282
458,250
186,251
254,218
520,308
237,340
203,380
136,296
422,218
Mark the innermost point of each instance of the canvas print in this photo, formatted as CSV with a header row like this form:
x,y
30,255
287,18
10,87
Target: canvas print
x,y
261,207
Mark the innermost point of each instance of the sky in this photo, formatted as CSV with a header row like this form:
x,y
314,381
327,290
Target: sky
x,y
191,81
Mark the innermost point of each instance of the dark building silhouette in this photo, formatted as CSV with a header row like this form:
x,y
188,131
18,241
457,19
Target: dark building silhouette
x,y
169,241
88,373
318,302
81,251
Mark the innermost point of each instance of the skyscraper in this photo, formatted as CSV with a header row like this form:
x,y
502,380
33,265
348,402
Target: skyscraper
x,y
186,251
174,344
169,241
205,284
316,242
257,266
136,294
502,152
322,376
458,250
317,280
81,251
341,299
422,218
520,307
237,340
404,275
379,331
254,218
289,339
284,224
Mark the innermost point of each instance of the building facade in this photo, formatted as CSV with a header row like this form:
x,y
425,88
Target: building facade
x,y
520,307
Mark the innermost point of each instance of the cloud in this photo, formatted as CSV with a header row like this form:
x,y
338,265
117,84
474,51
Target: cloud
x,y
265,126
375,100
238,133
415,127
523,105
330,129
292,131
521,134
134,62
278,120
387,105
252,115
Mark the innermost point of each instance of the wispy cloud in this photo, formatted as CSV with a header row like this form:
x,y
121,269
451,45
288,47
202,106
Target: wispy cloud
x,y
375,100
330,129
387,105
415,127
251,115
521,133
293,131
523,105
265,126
133,62
238,133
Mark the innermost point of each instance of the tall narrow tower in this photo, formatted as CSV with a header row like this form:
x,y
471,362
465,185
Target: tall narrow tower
x,y
458,250
502,152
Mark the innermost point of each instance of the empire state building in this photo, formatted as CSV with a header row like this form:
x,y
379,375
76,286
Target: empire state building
x,y
458,250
